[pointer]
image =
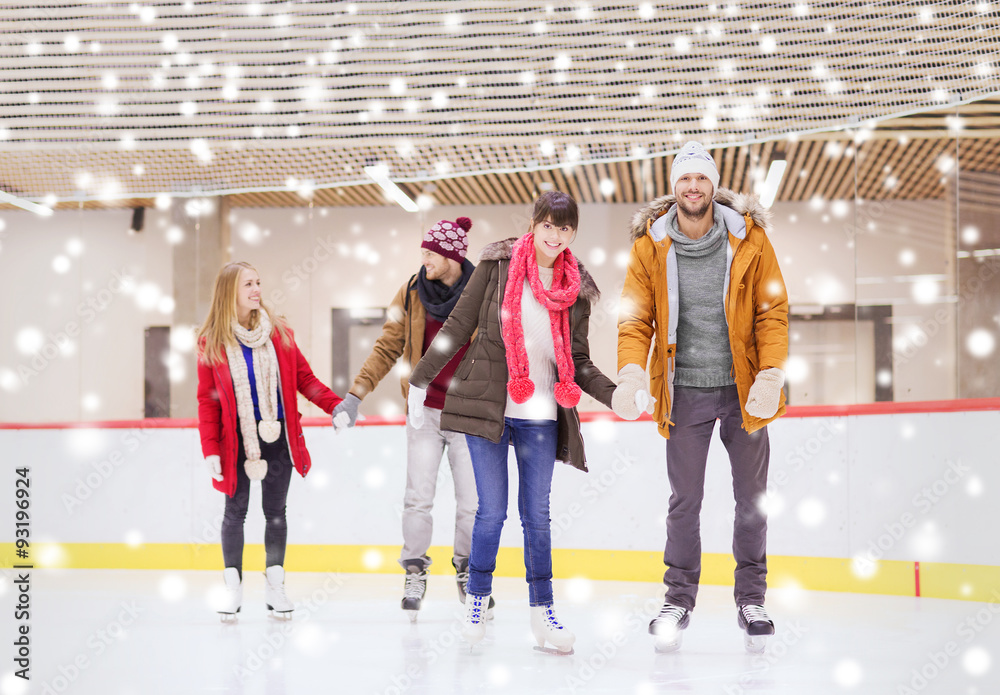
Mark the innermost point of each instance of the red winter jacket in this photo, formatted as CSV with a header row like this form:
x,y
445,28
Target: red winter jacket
x,y
218,422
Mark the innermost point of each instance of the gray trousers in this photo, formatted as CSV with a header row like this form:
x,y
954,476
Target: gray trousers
x,y
694,413
424,450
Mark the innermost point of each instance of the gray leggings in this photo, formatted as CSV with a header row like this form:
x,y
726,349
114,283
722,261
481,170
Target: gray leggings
x,y
274,492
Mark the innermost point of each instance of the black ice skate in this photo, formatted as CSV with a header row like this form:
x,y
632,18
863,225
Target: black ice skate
x,y
757,626
462,580
415,586
667,628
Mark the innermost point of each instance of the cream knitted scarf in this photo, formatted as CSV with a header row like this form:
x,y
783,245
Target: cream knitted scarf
x,y
265,370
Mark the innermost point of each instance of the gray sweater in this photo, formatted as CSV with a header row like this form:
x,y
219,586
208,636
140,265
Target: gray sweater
x,y
704,358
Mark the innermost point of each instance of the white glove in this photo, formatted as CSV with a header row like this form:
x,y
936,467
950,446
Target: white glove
x,y
415,406
765,393
631,398
341,421
214,464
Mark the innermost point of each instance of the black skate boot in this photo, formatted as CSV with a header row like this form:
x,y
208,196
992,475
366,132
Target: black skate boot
x,y
757,626
668,627
461,565
415,586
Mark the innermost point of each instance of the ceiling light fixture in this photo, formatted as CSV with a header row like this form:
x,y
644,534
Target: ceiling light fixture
x,y
379,173
25,204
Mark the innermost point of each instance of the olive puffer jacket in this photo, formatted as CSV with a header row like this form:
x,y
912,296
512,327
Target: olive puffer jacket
x,y
477,396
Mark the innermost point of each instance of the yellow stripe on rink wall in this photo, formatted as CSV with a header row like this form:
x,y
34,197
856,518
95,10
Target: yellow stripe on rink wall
x,y
892,577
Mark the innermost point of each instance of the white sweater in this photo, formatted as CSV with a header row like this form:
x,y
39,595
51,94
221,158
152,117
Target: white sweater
x,y
541,356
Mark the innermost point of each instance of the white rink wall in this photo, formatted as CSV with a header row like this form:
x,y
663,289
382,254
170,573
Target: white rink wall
x,y
838,484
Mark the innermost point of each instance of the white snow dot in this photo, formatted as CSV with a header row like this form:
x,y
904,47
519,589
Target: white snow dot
x,y
147,296
11,684
374,477
796,369
372,559
133,538
925,290
90,402
579,589
974,486
9,381
174,235
173,588
811,511
907,257
980,343
970,235
847,673
499,675
29,340
597,257
863,566
976,661
884,377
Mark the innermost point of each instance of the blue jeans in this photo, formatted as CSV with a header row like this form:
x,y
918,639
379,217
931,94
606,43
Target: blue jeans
x,y
535,450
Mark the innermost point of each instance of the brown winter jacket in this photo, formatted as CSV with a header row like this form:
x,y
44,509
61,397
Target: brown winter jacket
x,y
402,335
756,303
477,396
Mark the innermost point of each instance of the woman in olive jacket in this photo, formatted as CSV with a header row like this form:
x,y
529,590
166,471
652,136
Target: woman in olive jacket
x,y
527,310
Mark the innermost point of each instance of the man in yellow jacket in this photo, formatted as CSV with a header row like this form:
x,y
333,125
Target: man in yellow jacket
x,y
704,290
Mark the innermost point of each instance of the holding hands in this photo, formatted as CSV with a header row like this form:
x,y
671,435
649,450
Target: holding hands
x,y
345,415
632,397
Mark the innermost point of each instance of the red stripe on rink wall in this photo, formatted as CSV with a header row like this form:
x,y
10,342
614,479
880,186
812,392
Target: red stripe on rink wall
x,y
961,405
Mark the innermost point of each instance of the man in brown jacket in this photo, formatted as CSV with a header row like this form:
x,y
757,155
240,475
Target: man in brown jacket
x,y
703,288
416,314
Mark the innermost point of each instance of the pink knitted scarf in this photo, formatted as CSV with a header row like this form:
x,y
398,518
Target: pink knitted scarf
x,y
563,293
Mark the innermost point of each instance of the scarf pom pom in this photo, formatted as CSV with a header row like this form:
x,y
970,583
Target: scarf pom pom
x,y
520,389
256,469
269,430
568,394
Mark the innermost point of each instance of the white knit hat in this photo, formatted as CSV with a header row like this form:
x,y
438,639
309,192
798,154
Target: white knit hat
x,y
693,159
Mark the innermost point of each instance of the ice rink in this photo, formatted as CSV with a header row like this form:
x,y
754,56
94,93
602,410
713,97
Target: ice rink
x,y
141,632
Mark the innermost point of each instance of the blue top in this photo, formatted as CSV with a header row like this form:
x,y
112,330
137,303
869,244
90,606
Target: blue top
x,y
248,356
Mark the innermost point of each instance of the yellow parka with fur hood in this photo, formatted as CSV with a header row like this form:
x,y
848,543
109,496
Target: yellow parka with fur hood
x,y
756,303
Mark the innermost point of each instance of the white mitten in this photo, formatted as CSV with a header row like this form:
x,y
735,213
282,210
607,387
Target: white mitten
x,y
765,393
214,466
631,398
341,421
415,406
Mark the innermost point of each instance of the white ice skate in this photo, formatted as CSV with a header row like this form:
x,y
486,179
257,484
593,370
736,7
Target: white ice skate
x,y
757,626
547,628
474,627
274,593
668,627
462,580
234,595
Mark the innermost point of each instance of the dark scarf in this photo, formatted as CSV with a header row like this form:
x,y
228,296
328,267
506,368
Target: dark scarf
x,y
439,299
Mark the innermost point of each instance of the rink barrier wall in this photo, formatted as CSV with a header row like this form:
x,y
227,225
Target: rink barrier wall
x,y
959,405
894,577
864,476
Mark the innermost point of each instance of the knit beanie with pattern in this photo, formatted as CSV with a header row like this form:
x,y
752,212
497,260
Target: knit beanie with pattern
x,y
449,238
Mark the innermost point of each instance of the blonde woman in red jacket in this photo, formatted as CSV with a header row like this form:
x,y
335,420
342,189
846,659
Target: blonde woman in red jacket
x,y
249,370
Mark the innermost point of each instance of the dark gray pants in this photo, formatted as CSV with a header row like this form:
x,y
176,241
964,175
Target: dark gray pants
x,y
694,413
274,492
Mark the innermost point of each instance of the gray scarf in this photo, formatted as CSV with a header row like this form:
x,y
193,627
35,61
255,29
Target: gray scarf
x,y
686,246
